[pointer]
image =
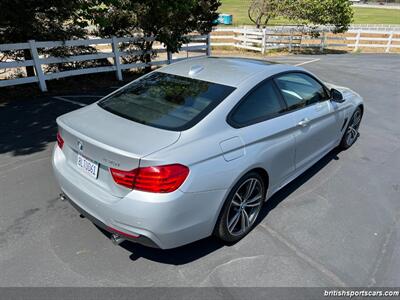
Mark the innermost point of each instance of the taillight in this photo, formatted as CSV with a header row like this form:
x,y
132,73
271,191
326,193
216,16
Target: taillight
x,y
60,141
159,179
125,178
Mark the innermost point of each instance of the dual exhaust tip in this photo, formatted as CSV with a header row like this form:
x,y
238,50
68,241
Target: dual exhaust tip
x,y
116,239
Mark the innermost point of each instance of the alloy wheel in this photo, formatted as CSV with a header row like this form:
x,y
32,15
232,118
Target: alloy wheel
x,y
245,206
352,130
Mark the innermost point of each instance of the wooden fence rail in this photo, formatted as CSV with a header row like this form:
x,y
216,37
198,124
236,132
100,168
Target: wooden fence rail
x,y
198,44
261,40
275,38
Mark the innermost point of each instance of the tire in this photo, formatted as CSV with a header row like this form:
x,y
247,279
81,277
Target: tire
x,y
236,218
351,133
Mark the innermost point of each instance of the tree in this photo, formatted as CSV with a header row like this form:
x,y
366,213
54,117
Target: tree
x,y
337,13
23,20
168,21
261,11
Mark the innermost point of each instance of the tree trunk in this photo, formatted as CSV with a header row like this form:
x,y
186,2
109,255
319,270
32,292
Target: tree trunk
x,y
30,71
266,21
146,58
258,21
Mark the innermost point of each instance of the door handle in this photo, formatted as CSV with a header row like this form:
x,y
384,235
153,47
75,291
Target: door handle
x,y
304,122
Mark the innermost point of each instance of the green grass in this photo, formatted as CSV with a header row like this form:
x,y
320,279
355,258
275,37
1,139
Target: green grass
x,y
376,16
238,8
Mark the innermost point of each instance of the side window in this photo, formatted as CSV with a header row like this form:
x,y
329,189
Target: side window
x,y
262,103
300,90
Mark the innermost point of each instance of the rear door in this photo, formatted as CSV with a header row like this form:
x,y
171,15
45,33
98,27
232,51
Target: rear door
x,y
316,122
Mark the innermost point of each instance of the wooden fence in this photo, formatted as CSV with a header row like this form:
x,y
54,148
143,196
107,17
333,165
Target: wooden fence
x,y
263,40
198,44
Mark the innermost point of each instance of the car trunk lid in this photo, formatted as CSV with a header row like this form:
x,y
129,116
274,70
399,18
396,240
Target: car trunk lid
x,y
109,141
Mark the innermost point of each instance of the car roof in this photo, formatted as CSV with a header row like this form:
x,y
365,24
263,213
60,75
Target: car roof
x,y
230,71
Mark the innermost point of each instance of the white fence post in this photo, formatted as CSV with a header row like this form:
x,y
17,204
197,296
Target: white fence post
x,y
117,62
322,45
243,38
264,40
38,66
357,40
389,42
208,43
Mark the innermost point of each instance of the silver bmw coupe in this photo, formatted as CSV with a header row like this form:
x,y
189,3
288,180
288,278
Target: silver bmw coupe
x,y
195,148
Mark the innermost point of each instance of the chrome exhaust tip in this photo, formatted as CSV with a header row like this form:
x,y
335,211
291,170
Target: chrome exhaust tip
x,y
116,239
63,197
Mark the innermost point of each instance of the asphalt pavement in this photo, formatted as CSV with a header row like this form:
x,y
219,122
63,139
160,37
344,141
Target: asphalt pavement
x,y
336,225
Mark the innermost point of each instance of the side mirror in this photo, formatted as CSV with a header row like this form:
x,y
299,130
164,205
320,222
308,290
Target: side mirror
x,y
336,96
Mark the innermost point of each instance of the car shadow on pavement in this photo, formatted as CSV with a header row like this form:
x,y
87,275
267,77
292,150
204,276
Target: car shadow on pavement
x,y
196,250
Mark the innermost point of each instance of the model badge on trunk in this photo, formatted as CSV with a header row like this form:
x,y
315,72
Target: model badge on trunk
x,y
80,146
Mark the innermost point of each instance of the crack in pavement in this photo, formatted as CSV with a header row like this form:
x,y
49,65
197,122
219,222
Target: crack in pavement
x,y
382,253
228,263
19,226
315,264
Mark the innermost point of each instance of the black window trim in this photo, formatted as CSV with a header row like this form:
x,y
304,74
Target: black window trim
x,y
272,78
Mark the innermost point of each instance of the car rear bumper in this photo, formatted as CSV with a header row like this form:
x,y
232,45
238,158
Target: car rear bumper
x,y
160,220
141,239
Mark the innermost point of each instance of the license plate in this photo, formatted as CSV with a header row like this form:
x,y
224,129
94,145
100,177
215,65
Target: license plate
x,y
87,166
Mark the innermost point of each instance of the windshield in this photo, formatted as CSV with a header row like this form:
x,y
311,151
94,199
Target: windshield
x,y
166,101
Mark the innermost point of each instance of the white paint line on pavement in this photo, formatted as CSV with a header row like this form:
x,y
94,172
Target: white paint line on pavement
x,y
2,173
69,101
294,57
308,62
85,96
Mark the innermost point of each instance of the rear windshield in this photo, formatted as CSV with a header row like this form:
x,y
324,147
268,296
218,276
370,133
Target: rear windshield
x,y
166,101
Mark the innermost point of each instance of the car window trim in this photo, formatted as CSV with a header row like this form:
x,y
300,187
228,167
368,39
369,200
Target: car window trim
x,y
234,124
274,77
283,101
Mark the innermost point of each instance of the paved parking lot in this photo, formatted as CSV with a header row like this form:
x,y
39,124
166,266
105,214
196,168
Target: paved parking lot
x,y
337,225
